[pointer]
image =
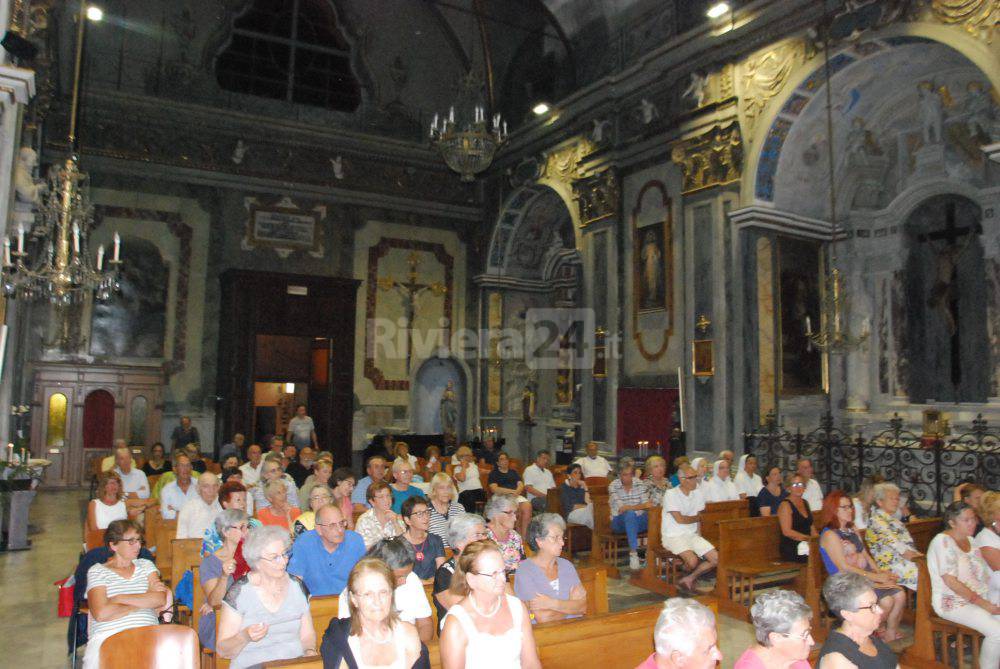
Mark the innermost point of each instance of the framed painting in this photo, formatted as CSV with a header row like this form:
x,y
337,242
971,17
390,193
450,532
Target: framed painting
x,y
283,227
702,357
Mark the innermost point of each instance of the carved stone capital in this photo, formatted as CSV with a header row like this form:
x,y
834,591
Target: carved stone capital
x,y
712,159
563,164
598,197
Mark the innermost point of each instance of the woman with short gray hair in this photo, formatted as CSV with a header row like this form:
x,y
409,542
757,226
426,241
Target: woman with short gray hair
x,y
782,623
265,615
463,529
215,574
501,516
851,597
545,582
889,542
686,628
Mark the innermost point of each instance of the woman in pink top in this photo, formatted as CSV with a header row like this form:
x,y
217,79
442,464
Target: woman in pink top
x,y
781,620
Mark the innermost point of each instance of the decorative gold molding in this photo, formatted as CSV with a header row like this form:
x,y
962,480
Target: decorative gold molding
x,y
598,197
764,74
712,159
564,164
977,17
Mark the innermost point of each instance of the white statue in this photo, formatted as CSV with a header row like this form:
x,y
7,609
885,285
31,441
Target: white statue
x,y
931,113
600,127
861,144
697,90
239,151
978,106
648,111
338,167
27,189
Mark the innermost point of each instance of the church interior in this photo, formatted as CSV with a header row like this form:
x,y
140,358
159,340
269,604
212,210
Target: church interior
x,y
610,231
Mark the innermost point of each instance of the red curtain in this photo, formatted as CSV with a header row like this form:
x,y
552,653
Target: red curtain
x,y
646,414
99,420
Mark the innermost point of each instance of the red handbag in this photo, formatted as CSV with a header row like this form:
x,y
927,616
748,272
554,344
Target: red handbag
x,y
65,601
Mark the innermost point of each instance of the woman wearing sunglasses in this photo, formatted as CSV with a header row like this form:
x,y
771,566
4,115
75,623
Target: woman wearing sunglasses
x,y
265,615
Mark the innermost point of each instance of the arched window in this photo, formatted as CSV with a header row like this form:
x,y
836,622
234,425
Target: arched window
x,y
290,50
55,432
137,421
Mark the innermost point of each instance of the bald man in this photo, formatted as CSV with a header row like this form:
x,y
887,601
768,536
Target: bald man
x,y
198,514
323,557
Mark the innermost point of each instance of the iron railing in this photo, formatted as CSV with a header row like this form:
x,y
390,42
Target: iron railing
x,y
925,468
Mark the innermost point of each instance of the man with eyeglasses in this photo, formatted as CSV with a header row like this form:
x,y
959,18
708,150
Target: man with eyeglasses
x,y
323,557
679,528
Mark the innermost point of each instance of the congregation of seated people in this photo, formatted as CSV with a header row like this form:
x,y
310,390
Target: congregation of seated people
x,y
476,542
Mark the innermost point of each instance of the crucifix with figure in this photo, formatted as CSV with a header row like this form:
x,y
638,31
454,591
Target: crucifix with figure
x,y
408,291
944,293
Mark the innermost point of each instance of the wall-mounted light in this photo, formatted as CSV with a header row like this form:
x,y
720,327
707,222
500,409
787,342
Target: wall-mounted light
x,y
541,108
717,10
289,388
95,13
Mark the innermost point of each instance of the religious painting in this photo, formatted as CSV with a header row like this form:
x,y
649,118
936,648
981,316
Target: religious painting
x,y
799,271
564,371
133,324
278,226
702,357
651,267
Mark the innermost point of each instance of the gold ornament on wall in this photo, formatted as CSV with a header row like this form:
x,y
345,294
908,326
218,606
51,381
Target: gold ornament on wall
x,y
598,197
763,75
978,17
564,164
712,159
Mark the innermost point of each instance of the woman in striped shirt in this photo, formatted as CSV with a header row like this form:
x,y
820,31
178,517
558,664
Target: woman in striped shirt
x,y
444,503
124,592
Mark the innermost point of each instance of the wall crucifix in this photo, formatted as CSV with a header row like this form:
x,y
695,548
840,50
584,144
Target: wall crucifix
x,y
409,290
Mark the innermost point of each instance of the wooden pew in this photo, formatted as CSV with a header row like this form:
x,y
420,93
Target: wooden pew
x,y
605,544
932,635
95,539
748,554
185,554
577,536
660,573
923,530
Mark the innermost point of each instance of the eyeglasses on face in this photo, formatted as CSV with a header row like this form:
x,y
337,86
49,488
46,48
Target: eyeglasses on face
x,y
845,506
798,484
425,512
500,575
559,538
131,541
277,558
871,607
341,524
374,596
804,636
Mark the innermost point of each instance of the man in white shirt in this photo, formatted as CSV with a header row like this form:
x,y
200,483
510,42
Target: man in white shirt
x,y
814,493
538,480
134,480
198,514
177,493
594,464
110,461
251,468
301,429
679,528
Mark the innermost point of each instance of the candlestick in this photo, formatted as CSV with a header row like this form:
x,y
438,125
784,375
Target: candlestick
x,y
100,257
118,246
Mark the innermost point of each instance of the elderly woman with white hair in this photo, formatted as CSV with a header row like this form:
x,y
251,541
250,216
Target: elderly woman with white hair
x,y
684,636
265,615
545,582
272,470
278,511
853,645
444,505
782,625
463,529
501,516
888,540
720,488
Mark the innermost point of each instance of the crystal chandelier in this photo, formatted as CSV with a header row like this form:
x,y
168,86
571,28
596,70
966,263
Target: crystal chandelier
x,y
61,270
469,142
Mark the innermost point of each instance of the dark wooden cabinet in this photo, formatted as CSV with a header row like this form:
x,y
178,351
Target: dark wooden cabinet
x,y
289,305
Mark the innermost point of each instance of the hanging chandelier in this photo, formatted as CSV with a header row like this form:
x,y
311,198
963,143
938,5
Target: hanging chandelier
x,y
60,269
834,334
469,141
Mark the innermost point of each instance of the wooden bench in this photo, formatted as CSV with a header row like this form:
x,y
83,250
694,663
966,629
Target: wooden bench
x,y
933,636
94,539
660,573
748,556
923,530
185,554
606,545
577,536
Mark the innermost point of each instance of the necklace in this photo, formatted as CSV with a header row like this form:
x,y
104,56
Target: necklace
x,y
381,642
496,608
419,549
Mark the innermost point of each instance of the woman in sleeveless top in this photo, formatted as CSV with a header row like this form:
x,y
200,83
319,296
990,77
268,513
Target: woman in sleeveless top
x,y
853,644
108,506
488,628
795,520
842,549
373,637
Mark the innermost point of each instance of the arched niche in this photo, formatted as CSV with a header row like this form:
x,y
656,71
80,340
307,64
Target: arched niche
x,y
429,383
55,422
98,420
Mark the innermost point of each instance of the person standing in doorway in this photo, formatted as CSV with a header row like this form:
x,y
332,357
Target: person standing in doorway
x,y
301,429
184,434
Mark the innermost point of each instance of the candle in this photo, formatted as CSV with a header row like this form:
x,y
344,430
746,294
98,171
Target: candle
x,y
20,238
6,251
118,246
680,396
100,257
76,238
809,329
451,115
10,452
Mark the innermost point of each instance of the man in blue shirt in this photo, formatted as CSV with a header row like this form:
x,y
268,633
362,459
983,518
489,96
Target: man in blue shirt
x,y
376,469
324,557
